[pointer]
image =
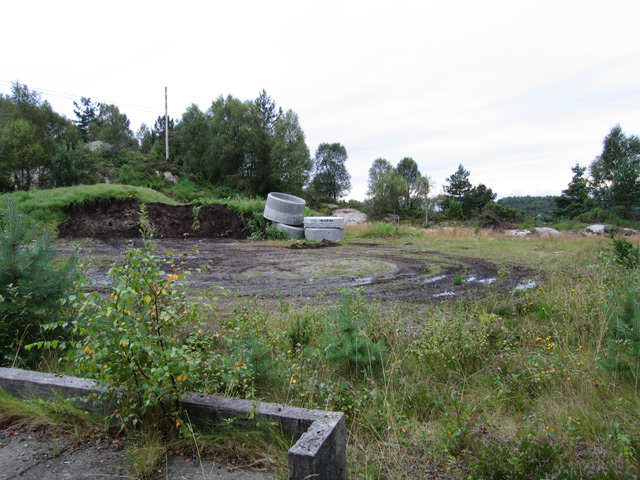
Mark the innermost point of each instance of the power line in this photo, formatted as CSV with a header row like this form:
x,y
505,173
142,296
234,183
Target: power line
x,y
70,96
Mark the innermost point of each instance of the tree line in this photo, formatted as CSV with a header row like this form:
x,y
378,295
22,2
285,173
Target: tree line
x,y
250,146
254,147
612,188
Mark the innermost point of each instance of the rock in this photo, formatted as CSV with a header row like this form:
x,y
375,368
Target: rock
x,y
597,229
546,232
170,177
351,216
517,233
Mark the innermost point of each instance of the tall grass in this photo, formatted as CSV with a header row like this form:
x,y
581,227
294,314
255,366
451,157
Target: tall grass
x,y
464,388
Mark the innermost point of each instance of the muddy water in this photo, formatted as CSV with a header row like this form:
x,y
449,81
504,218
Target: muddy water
x,y
270,269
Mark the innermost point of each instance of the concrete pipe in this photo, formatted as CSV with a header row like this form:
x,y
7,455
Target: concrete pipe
x,y
290,231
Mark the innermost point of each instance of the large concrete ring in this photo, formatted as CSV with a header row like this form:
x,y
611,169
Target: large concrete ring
x,y
290,231
281,217
285,203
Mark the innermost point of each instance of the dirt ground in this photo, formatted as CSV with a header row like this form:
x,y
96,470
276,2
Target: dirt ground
x,y
278,269
121,220
37,455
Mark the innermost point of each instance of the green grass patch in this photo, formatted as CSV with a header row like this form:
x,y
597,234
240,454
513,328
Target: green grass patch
x,y
46,206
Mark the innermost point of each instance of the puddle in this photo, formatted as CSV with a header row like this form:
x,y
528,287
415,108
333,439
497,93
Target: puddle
x,y
526,286
362,281
434,279
444,294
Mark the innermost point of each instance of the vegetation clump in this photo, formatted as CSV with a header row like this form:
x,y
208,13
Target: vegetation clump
x,y
31,285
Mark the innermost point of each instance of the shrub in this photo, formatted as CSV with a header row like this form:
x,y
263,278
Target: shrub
x,y
30,286
623,335
346,343
141,343
624,253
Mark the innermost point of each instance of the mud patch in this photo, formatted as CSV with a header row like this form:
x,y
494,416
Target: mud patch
x,y
305,246
272,270
122,220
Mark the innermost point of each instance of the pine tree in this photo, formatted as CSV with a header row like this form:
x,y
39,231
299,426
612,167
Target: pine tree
x,y
30,287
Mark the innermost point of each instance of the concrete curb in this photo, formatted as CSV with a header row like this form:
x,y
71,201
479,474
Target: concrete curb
x,y
320,452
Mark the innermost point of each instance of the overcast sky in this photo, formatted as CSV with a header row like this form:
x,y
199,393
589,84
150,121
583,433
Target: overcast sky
x,y
517,92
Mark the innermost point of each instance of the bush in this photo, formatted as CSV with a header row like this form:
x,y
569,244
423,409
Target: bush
x,y
346,342
625,254
623,334
30,286
142,342
496,215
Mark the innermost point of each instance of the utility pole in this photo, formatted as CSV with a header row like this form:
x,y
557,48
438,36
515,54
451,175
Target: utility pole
x,y
166,126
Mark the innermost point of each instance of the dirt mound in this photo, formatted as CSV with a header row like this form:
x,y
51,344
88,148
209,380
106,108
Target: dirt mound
x,y
120,219
306,246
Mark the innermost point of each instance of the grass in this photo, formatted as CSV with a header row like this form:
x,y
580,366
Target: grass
x,y
460,388
464,385
47,206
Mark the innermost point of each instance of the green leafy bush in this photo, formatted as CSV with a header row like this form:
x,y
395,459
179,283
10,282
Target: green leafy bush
x,y
346,343
30,286
142,342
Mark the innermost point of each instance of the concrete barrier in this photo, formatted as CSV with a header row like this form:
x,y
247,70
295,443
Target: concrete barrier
x,y
319,452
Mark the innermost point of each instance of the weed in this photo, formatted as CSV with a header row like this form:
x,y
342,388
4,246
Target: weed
x,y
195,212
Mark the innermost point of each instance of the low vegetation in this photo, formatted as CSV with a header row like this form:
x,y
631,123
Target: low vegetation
x,y
539,382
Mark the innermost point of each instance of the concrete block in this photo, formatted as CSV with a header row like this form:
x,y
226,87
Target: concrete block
x,y
319,234
319,453
323,222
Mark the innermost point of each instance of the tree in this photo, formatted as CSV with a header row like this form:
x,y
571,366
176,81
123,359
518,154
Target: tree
x,y
290,155
112,127
30,287
22,151
462,199
257,168
574,199
476,199
331,178
86,114
614,173
459,183
385,186
423,188
407,168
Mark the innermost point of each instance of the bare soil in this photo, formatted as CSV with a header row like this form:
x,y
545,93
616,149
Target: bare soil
x,y
122,220
278,269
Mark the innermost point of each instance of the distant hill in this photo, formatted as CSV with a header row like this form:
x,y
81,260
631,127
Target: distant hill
x,y
533,206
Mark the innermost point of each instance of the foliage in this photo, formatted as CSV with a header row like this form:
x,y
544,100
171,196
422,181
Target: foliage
x,y
330,176
623,334
497,215
624,253
30,286
400,189
575,199
615,173
141,343
346,342
251,146
463,200
531,205
540,456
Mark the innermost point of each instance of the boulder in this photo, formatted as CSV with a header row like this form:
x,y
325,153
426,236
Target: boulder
x,y
351,216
